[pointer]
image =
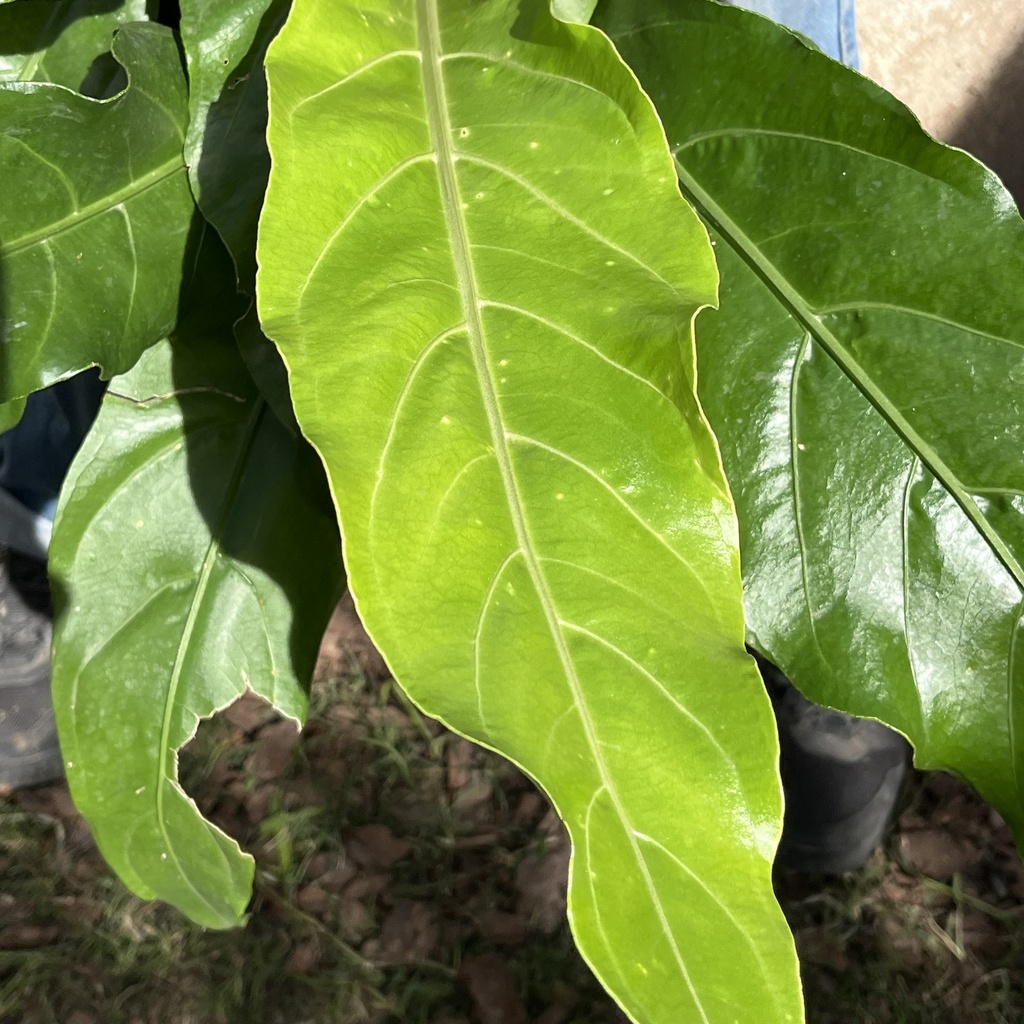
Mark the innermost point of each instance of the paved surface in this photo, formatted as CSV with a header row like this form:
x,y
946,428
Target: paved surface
x,y
959,65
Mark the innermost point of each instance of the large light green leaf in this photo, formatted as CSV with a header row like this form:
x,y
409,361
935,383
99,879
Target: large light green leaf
x,y
225,42
43,41
223,518
91,254
864,377
479,270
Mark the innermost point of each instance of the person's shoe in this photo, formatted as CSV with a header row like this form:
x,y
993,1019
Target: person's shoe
x,y
29,752
841,777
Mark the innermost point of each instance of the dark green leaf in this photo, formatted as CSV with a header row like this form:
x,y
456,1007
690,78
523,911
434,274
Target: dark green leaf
x,y
195,554
225,42
91,255
10,413
63,43
864,376
478,267
266,366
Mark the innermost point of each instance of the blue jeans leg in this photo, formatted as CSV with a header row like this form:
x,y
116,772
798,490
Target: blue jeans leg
x,y
830,23
35,456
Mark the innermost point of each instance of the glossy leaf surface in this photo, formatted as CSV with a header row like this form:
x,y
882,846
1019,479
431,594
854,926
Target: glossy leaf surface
x,y
864,378
44,41
486,313
190,480
91,255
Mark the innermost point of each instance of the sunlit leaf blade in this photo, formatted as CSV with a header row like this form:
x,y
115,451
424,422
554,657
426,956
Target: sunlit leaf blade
x,y
579,11
223,516
91,255
864,376
44,41
225,42
481,275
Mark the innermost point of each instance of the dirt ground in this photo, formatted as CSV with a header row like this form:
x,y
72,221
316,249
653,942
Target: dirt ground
x,y
404,875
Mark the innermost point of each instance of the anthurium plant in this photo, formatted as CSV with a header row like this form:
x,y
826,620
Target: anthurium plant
x,y
544,316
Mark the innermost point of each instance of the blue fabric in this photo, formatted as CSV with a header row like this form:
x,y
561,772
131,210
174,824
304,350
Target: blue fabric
x,y
830,23
35,454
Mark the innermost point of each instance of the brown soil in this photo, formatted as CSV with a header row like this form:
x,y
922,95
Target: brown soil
x,y
403,874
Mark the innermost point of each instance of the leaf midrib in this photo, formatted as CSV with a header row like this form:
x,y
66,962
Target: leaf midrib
x,y
429,38
800,309
95,209
213,551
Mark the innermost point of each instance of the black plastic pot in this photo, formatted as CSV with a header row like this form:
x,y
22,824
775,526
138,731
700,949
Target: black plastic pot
x,y
841,777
